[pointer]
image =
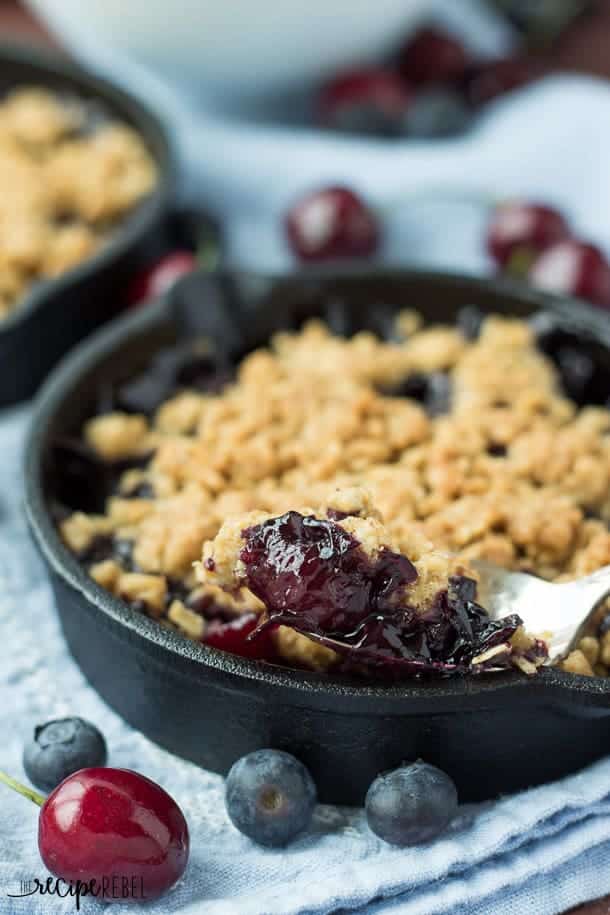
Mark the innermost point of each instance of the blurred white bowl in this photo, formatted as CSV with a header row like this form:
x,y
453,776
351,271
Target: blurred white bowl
x,y
239,48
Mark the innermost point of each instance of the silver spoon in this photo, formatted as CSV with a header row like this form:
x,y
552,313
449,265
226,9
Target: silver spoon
x,y
559,613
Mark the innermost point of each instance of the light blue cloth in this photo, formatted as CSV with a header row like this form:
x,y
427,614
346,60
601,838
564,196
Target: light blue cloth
x,y
540,852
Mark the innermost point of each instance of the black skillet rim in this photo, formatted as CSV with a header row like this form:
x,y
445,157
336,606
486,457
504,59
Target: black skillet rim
x,y
153,133
421,695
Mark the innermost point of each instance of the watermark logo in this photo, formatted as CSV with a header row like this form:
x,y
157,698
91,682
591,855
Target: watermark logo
x,y
109,888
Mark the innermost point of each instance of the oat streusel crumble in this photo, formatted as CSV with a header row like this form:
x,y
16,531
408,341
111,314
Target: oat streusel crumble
x,y
66,182
491,461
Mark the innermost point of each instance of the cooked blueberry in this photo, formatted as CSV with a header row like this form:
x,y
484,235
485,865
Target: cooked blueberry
x,y
432,57
81,479
176,590
59,748
432,391
577,371
270,796
143,490
99,549
437,112
604,626
438,397
581,361
123,551
313,576
469,321
495,449
411,805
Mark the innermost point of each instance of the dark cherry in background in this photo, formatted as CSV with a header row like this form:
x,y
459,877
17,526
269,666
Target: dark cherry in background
x,y
432,56
369,100
517,225
332,223
572,267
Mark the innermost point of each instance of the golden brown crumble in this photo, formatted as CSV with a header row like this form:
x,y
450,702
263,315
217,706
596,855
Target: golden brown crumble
x,y
514,472
63,186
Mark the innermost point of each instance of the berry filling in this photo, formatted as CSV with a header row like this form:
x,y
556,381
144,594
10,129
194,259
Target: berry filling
x,y
313,576
234,636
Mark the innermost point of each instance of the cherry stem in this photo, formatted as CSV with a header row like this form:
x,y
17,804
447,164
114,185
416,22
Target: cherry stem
x,y
31,795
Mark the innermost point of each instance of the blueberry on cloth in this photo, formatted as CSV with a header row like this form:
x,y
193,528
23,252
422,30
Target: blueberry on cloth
x,y
61,747
270,796
411,805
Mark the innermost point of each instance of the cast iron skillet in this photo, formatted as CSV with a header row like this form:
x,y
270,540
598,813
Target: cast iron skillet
x,y
493,735
57,314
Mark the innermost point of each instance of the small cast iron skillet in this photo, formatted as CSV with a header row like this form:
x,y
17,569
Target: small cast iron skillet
x,y
493,734
58,313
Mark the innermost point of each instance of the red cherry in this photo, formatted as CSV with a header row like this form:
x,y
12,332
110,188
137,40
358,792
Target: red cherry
x,y
113,823
497,77
573,268
332,223
518,224
161,276
366,100
233,637
432,56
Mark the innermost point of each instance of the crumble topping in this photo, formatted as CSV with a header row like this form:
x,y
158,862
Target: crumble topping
x,y
435,445
67,178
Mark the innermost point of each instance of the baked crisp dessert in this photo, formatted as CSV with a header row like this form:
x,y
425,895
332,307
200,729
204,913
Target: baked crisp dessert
x,y
320,509
69,176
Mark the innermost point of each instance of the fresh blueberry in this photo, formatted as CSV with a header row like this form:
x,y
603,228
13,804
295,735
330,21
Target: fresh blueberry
x,y
437,112
411,805
60,748
270,796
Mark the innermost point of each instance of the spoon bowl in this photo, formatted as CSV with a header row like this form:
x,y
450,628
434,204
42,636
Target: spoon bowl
x,y
558,613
